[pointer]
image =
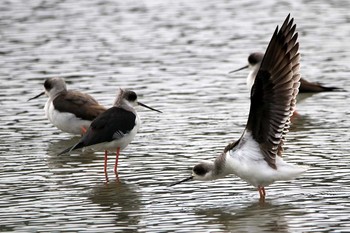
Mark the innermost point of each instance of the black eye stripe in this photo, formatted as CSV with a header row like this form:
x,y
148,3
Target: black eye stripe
x,y
47,84
131,96
255,58
251,60
199,170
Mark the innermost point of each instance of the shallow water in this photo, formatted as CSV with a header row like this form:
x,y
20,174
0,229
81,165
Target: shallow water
x,y
176,55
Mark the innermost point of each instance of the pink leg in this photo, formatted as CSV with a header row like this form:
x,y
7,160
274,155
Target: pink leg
x,y
116,163
262,193
83,130
294,116
105,166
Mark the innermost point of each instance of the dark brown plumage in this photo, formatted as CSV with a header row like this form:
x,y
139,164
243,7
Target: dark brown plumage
x,y
70,111
274,92
81,105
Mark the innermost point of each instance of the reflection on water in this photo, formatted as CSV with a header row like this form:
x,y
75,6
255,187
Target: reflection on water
x,y
253,218
68,164
176,55
121,199
55,147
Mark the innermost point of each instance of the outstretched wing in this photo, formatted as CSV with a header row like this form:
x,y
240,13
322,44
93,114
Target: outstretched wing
x,y
273,95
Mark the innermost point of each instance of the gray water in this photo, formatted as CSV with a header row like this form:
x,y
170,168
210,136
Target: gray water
x,y
176,55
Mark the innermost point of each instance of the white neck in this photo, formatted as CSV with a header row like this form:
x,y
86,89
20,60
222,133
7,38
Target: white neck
x,y
252,75
126,105
220,168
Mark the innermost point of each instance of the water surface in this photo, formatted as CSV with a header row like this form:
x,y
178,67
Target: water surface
x,y
176,55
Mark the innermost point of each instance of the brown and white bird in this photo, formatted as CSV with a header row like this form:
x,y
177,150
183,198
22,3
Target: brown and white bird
x,y
257,156
254,62
70,111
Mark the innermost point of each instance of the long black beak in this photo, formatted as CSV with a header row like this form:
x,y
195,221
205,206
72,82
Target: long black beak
x,y
181,181
144,105
37,96
242,68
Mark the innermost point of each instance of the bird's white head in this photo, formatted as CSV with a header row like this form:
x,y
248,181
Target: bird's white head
x,y
128,100
204,171
125,97
53,86
255,59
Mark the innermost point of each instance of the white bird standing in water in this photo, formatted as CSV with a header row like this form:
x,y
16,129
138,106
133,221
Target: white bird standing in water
x,y
114,129
257,156
70,111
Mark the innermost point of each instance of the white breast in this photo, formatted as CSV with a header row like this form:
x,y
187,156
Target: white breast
x,y
252,75
67,122
250,79
247,162
121,143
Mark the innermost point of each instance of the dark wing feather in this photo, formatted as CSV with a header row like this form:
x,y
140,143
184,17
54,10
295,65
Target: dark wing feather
x,y
311,87
110,125
273,95
80,104
69,149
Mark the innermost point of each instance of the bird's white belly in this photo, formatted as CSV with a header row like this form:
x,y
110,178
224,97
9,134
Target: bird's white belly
x,y
248,163
65,121
121,143
254,172
258,172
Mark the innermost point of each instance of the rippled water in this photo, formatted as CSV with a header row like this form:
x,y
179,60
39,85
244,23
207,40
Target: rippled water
x,y
176,55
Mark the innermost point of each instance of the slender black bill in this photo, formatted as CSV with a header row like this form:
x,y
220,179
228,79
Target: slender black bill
x,y
144,105
181,181
242,68
37,96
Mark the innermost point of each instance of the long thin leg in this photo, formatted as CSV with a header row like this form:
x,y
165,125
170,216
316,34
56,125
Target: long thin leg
x,y
116,163
83,130
105,166
262,193
295,116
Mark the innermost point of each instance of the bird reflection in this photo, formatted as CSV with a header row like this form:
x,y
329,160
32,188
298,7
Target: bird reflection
x,y
302,124
57,162
123,199
301,97
257,217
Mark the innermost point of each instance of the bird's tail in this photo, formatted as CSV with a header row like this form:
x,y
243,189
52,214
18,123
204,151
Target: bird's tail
x,y
69,149
332,89
291,171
